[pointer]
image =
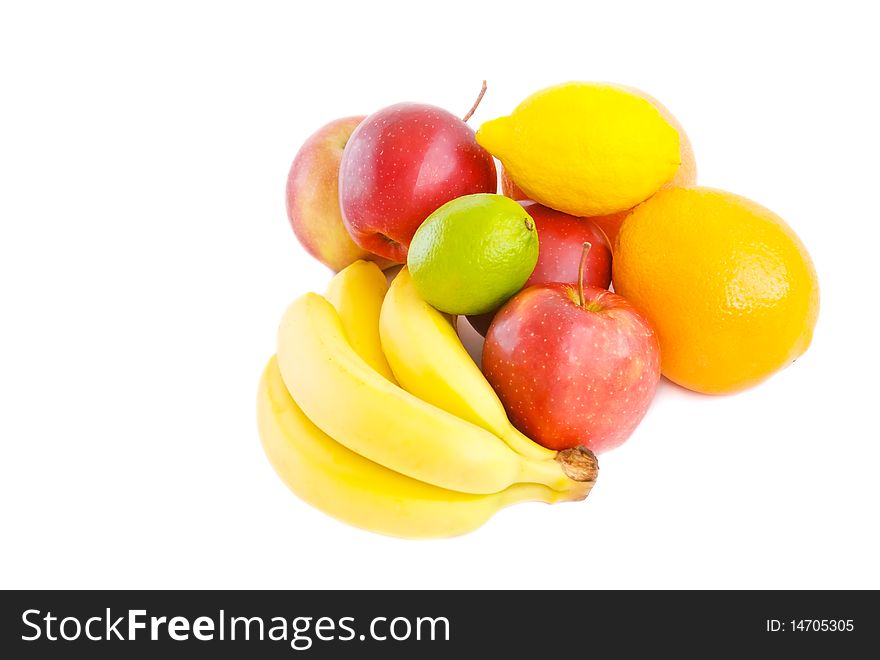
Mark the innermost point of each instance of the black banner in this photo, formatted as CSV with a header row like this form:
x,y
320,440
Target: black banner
x,y
333,624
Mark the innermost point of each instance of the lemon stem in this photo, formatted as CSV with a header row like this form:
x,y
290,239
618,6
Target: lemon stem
x,y
476,103
582,268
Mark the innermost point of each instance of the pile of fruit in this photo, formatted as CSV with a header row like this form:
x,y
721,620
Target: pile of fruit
x,y
601,266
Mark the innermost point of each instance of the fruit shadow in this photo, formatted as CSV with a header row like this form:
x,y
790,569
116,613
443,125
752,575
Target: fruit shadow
x,y
470,339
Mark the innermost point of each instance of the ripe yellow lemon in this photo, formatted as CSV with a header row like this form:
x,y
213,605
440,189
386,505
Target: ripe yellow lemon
x,y
686,175
586,149
728,286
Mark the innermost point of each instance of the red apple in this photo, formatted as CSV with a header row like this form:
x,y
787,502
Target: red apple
x,y
572,366
562,237
313,197
400,165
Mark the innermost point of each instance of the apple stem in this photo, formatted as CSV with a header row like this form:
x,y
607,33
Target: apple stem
x,y
473,109
582,268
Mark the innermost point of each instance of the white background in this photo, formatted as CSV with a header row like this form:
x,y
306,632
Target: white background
x,y
146,258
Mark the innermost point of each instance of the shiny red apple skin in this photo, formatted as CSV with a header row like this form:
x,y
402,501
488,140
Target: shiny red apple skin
x,y
400,165
562,237
570,375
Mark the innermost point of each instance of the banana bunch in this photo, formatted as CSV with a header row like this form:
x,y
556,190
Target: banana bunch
x,y
373,411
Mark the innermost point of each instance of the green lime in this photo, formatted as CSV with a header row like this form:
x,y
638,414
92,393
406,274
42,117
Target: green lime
x,y
473,253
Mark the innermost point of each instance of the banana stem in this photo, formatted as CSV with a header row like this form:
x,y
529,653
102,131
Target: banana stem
x,y
579,464
525,446
525,492
572,470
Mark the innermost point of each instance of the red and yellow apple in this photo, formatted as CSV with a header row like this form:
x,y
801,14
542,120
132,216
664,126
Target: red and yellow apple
x,y
313,197
572,366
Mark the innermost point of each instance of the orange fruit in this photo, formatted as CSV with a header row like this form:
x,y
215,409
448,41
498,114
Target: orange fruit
x,y
686,175
728,286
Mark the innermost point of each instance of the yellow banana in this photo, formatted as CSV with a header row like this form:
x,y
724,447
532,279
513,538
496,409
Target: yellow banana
x,y
357,292
357,491
352,403
429,361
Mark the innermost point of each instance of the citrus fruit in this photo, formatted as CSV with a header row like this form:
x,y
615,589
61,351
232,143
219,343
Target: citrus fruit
x,y
473,253
685,175
726,283
586,149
